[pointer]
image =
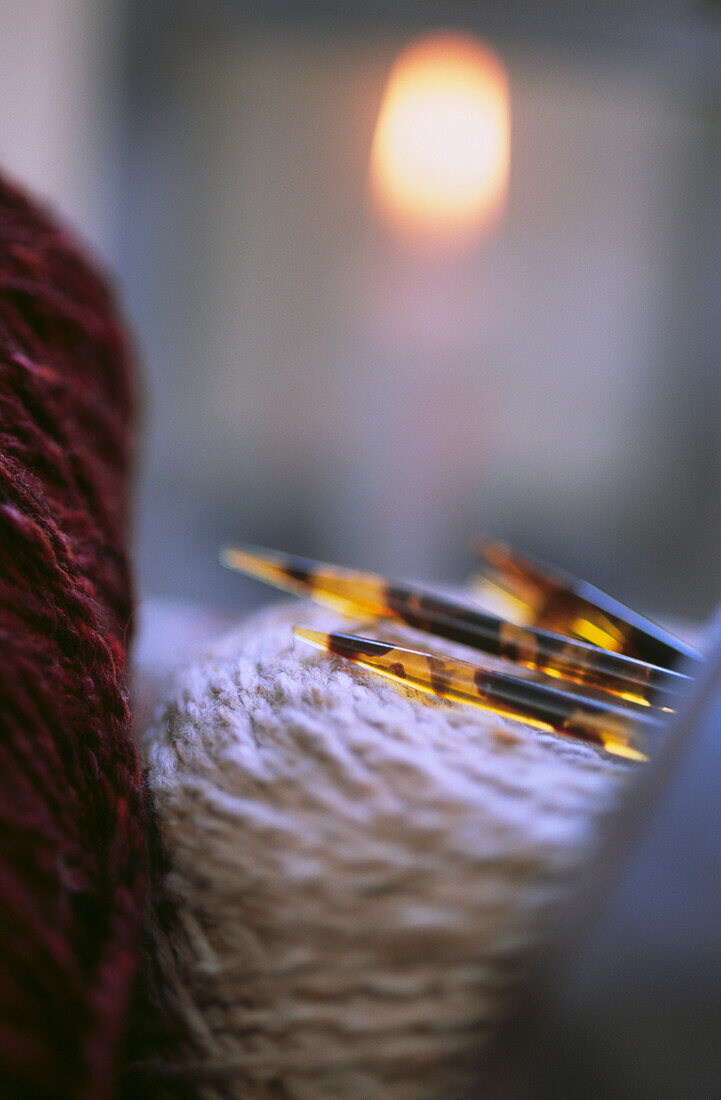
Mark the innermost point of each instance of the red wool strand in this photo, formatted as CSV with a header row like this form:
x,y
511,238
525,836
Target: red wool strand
x,y
72,856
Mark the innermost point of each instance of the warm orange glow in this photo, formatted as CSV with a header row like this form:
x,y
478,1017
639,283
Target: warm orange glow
x,y
441,150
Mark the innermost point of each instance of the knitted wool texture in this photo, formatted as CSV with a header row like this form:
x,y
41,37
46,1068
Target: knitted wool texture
x,y
71,849
354,874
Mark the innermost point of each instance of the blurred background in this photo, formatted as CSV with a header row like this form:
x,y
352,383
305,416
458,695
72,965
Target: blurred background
x,y
358,351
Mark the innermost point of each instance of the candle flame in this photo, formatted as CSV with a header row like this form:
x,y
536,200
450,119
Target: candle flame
x,y
441,150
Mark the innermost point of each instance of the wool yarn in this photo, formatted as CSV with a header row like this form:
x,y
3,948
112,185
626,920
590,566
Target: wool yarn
x,y
72,862
352,875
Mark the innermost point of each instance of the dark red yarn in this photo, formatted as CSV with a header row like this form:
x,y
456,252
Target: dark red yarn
x,y
72,856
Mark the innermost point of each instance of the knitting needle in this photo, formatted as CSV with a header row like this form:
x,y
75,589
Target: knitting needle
x,y
552,600
358,593
544,708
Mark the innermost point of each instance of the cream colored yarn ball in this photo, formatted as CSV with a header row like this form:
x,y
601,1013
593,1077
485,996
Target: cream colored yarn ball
x,y
354,875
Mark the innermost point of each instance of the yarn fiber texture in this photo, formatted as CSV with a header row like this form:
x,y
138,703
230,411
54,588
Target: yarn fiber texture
x,y
72,854
353,875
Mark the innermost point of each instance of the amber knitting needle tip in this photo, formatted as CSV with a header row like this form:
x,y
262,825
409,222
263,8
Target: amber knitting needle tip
x,y
256,562
551,599
347,590
543,708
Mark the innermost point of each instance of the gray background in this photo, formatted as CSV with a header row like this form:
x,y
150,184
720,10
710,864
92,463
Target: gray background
x,y
310,386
